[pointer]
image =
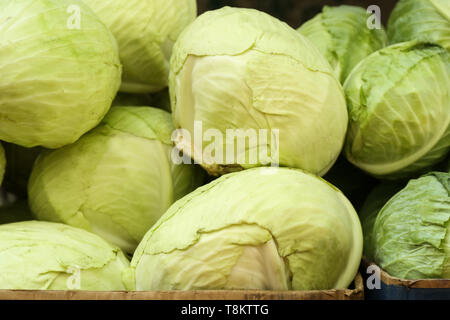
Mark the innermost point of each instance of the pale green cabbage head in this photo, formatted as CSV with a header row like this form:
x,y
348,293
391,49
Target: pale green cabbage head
x,y
2,163
423,20
399,106
261,228
376,199
116,181
37,255
145,31
57,80
342,36
411,234
237,68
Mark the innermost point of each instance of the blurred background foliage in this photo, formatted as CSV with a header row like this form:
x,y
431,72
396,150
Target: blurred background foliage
x,y
295,12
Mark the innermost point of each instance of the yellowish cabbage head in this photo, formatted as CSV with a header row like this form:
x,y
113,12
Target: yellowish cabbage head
x,y
261,228
145,31
37,255
241,69
60,71
115,181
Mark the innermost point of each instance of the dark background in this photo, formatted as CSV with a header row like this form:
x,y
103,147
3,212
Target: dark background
x,y
295,12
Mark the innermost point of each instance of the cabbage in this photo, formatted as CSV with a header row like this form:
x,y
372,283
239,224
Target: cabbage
x,y
116,181
2,163
20,161
411,233
342,36
237,68
36,255
57,81
399,107
261,228
422,20
145,31
376,199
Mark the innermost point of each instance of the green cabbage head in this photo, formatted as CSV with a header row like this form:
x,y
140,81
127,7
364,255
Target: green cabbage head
x,y
376,199
145,31
399,106
411,234
261,228
60,71
116,181
241,69
342,36
423,20
2,163
37,255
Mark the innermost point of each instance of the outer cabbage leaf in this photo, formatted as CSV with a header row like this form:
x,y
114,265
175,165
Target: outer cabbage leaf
x,y
411,236
58,80
145,31
422,20
399,106
116,181
37,255
261,228
237,68
376,199
342,36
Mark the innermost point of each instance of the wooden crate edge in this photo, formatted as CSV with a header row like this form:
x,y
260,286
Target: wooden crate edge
x,y
336,294
421,283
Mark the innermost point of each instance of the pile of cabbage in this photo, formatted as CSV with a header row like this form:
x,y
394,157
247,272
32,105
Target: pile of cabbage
x,y
108,182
